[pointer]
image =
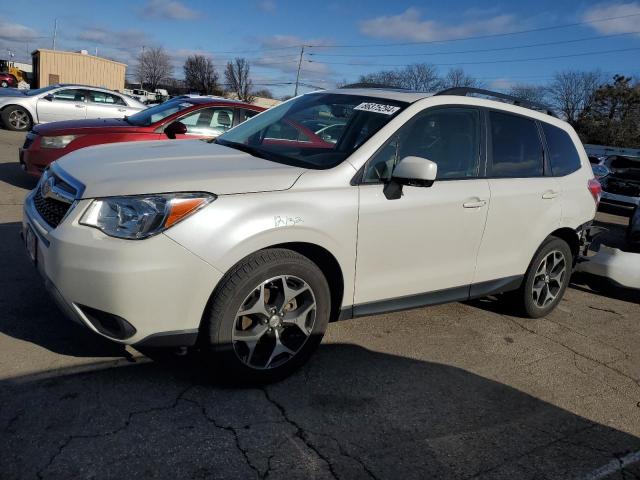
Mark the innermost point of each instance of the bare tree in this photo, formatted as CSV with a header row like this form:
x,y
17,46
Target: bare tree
x,y
572,92
383,78
420,77
153,67
238,80
200,75
532,93
457,77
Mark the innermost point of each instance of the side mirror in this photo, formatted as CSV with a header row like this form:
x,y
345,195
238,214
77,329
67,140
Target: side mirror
x,y
175,128
413,171
48,97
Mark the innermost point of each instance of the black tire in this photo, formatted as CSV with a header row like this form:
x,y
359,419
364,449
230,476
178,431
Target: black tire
x,y
4,84
220,317
525,297
10,122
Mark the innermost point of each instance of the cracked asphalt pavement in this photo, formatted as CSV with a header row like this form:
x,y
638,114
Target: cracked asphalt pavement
x,y
466,390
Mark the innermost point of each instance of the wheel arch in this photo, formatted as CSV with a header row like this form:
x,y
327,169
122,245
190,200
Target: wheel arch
x,y
571,237
329,266
323,258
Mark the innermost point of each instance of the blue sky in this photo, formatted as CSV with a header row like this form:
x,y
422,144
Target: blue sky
x,y
268,32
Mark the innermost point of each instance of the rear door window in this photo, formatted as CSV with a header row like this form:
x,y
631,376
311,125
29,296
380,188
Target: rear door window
x,y
515,147
563,156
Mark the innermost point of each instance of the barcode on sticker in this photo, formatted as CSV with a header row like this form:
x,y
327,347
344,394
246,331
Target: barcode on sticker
x,y
377,108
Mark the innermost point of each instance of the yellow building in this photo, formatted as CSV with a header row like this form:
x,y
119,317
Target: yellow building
x,y
55,66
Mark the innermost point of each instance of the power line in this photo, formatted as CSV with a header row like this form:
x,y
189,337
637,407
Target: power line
x,y
477,37
477,50
486,62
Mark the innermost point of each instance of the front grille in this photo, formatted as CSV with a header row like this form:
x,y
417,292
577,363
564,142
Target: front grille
x,y
51,210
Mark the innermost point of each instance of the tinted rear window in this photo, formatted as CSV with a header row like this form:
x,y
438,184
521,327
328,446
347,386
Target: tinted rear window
x,y
516,147
564,157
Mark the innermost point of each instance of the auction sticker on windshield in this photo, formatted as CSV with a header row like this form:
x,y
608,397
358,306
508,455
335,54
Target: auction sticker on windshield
x,y
377,108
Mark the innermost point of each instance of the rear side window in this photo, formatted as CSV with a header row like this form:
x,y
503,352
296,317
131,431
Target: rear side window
x,y
515,145
563,156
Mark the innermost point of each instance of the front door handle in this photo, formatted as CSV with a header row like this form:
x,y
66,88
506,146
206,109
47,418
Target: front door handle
x,y
122,109
550,194
475,203
79,106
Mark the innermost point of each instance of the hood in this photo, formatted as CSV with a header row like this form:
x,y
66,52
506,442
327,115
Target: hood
x,y
134,168
90,125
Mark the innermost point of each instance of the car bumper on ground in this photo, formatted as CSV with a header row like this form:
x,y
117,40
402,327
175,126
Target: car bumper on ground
x,y
149,292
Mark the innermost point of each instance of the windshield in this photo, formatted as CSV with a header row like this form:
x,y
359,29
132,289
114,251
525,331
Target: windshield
x,y
144,118
313,131
38,91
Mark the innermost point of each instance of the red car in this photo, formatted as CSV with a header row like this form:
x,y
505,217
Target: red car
x,y
180,118
8,80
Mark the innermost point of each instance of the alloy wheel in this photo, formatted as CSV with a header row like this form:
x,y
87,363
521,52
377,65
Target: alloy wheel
x,y
549,278
18,119
274,322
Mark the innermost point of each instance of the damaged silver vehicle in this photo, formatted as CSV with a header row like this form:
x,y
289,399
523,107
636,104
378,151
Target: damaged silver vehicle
x,y
620,179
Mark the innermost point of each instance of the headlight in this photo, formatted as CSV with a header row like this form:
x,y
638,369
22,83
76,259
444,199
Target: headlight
x,y
138,217
57,142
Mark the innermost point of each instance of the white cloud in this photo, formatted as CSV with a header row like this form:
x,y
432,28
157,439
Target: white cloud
x,y
410,26
126,39
169,9
14,32
620,25
267,6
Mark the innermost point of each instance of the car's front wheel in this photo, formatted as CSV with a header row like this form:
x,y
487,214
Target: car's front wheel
x,y
4,84
547,278
266,317
16,118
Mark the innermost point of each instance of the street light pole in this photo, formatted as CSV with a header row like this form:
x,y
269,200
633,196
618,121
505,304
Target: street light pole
x,y
295,94
55,32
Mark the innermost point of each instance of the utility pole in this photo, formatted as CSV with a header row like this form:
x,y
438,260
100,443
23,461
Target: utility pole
x,y
55,32
295,94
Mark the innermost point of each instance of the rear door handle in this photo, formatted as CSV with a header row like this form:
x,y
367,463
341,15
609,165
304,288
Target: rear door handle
x,y
122,109
79,106
474,204
548,195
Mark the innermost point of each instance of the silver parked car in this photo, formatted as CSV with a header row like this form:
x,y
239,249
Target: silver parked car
x,y
21,109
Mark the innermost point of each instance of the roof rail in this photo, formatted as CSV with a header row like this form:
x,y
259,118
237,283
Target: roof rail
x,y
521,102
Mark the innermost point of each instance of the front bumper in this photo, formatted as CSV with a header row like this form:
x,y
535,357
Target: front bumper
x,y
34,159
155,285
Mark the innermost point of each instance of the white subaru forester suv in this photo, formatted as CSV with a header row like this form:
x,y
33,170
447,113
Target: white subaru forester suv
x,y
330,206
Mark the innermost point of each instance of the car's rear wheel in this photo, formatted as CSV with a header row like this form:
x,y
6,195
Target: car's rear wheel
x,y
266,317
4,84
16,118
547,278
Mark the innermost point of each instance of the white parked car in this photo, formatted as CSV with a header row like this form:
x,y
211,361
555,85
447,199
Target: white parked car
x,y
21,109
247,247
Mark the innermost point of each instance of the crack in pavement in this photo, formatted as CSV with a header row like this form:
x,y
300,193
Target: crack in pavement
x,y
126,424
529,452
606,310
575,352
12,420
302,434
228,428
